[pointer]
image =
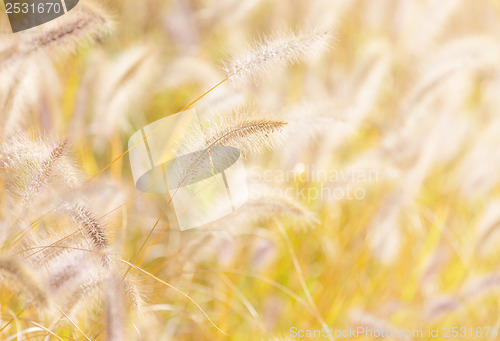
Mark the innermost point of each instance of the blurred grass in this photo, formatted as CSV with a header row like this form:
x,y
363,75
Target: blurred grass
x,y
336,257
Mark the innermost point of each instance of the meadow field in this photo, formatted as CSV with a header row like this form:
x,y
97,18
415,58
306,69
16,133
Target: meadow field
x,y
369,136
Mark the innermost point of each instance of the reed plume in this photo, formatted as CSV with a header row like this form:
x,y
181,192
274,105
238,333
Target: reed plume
x,y
271,54
45,170
243,135
411,94
90,225
247,134
86,22
40,167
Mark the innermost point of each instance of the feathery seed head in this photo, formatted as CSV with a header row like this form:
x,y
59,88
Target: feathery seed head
x,y
90,225
276,53
45,171
84,22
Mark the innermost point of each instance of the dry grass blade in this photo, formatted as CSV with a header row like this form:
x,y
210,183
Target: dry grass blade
x,y
300,275
171,286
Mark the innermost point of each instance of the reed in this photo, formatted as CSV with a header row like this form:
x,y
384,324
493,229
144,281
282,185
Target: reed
x,y
372,169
